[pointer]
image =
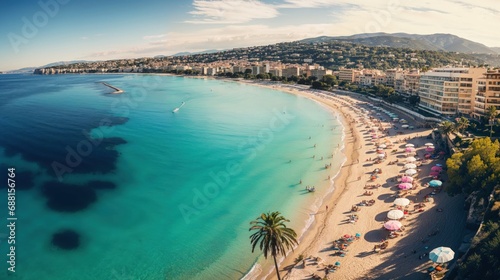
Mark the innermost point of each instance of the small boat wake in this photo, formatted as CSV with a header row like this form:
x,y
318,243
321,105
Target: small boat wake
x,y
178,108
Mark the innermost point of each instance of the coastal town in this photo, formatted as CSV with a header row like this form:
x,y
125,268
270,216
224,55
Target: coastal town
x,y
439,84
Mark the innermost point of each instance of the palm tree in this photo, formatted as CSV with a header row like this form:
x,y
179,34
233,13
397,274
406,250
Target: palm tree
x,y
462,124
272,236
491,115
447,127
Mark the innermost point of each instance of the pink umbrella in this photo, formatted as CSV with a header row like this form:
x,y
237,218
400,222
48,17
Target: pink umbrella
x,y
374,136
405,186
393,225
427,155
429,149
436,168
434,173
406,179
410,150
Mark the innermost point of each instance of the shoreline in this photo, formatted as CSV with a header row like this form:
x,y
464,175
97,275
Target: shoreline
x,y
312,231
358,150
324,228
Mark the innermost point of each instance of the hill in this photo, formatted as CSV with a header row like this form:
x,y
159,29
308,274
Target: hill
x,y
433,42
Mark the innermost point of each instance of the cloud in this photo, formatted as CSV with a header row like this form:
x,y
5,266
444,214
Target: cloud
x,y
291,4
230,11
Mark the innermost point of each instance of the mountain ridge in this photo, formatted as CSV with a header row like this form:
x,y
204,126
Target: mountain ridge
x,y
433,42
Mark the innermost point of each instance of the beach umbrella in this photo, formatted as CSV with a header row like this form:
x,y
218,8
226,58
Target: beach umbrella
x,y
406,179
337,263
409,145
441,255
434,174
380,151
405,126
358,235
427,155
436,168
410,150
405,186
381,156
402,201
383,146
411,172
439,164
429,144
392,225
410,166
429,149
374,136
435,183
395,214
411,159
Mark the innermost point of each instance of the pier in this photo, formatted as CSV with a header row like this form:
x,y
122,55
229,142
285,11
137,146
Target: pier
x,y
117,90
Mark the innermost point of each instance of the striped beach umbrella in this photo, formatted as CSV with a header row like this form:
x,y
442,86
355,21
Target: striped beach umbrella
x,y
441,255
395,214
392,225
406,179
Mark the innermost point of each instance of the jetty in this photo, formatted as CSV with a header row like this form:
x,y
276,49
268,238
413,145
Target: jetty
x,y
116,90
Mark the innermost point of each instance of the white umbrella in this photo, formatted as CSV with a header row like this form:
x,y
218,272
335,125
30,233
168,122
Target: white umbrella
x,y
405,126
411,172
402,201
410,166
441,255
411,159
381,156
429,144
383,146
395,214
409,145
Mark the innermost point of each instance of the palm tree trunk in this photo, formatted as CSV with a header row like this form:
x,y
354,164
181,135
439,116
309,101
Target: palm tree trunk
x,y
276,266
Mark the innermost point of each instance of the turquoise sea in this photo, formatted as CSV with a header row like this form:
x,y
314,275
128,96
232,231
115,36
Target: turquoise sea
x,y
135,191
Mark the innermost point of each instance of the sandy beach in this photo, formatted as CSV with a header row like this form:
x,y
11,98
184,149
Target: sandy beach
x,y
406,255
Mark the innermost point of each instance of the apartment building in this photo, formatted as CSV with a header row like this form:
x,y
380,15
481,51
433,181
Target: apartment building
x,y
291,71
348,75
488,94
449,91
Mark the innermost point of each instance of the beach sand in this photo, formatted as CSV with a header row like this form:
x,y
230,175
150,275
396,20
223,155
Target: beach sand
x,y
402,257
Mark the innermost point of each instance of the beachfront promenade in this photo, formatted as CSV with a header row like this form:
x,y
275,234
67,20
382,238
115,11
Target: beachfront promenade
x,y
362,199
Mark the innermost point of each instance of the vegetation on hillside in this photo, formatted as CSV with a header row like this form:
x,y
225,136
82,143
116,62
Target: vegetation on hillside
x,y
476,172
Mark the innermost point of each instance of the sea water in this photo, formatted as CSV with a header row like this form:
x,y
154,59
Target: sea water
x,y
155,194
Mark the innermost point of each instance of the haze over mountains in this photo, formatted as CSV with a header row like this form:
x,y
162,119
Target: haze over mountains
x,y
433,42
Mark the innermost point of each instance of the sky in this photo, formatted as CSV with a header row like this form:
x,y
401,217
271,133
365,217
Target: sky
x,y
35,33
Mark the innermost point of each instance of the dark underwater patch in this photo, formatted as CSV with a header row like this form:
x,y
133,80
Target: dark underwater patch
x,y
64,197
67,239
101,185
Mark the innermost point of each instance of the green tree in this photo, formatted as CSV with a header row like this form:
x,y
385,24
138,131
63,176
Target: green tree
x,y
462,124
414,100
447,127
272,235
330,80
477,169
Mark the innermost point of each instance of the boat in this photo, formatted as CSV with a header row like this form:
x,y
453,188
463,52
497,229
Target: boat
x,y
178,108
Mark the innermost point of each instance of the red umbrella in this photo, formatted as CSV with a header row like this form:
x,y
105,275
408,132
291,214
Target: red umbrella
x,y
435,173
427,155
436,168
